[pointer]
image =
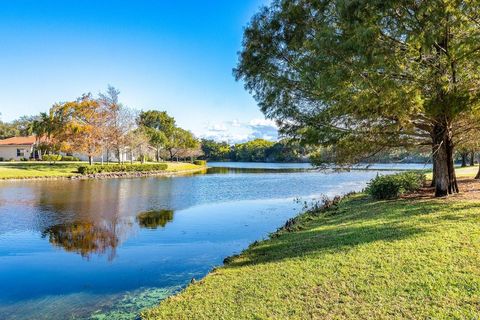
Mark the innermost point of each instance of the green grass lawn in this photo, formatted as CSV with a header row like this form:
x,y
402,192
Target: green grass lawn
x,y
181,166
466,172
403,259
22,170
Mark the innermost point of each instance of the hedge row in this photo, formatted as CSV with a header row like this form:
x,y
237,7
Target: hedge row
x,y
51,157
69,158
200,162
58,157
106,168
394,185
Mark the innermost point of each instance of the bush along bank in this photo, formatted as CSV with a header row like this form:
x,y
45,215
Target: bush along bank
x,y
116,168
394,185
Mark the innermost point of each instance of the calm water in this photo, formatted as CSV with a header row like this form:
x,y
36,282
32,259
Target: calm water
x,y
280,166
107,249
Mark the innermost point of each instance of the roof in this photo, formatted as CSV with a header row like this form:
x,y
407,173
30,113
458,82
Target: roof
x,y
18,141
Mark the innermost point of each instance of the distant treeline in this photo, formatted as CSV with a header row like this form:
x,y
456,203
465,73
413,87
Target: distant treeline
x,y
258,150
289,150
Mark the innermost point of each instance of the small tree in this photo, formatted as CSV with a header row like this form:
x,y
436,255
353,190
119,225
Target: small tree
x,y
138,143
119,122
159,126
180,141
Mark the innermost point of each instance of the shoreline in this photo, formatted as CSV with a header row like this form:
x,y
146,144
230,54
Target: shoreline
x,y
290,225
314,259
110,175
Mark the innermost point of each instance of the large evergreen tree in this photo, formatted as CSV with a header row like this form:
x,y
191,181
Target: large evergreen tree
x,y
362,76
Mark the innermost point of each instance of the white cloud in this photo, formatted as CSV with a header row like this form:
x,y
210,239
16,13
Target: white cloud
x,y
217,127
236,131
262,122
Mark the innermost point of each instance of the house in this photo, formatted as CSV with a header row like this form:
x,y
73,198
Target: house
x,y
125,156
17,148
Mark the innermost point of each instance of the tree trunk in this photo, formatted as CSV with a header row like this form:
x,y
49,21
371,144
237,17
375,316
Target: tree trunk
x,y
464,159
472,159
478,172
433,168
158,154
445,179
90,160
453,185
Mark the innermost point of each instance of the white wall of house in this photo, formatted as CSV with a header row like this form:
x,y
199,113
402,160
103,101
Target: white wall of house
x,y
9,152
124,157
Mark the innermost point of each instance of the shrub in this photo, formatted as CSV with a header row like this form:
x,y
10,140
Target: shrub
x,y
69,158
393,186
105,168
2,159
200,162
52,157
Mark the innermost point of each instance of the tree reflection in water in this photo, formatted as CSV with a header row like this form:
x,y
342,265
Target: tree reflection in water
x,y
86,237
155,218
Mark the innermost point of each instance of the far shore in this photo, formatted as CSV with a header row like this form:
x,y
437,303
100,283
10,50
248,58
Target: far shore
x,y
21,171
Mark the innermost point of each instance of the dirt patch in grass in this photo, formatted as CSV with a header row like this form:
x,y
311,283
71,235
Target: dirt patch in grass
x,y
469,190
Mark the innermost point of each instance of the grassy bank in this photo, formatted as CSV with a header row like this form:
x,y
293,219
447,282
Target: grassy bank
x,y
365,259
25,170
466,172
461,173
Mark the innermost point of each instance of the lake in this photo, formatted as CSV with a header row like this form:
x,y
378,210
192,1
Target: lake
x,y
106,249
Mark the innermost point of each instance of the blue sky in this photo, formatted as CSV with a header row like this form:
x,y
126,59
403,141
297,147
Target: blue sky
x,y
167,55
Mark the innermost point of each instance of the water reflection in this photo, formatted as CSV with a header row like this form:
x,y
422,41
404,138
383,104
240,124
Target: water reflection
x,y
155,218
85,238
101,237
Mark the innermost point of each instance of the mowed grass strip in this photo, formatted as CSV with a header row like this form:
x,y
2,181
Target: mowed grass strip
x,y
461,173
22,170
181,166
25,170
402,259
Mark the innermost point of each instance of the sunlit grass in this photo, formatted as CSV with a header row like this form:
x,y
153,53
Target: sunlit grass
x,y
181,166
19,170
466,172
404,259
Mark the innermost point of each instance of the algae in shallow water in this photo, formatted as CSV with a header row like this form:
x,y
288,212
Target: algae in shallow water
x,y
132,303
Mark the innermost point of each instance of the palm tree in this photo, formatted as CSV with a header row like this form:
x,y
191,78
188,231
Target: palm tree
x,y
43,128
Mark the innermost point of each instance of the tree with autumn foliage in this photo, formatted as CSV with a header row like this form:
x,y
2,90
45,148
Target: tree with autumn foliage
x,y
83,127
